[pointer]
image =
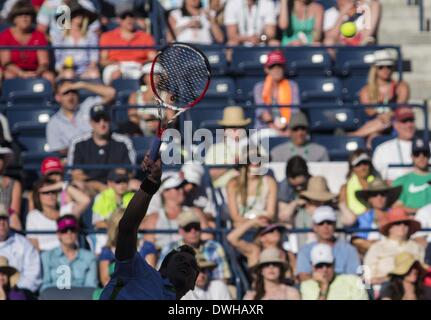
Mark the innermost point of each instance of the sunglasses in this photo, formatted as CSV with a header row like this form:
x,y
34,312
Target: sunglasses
x,y
404,223
407,120
362,163
300,128
191,226
323,265
375,194
97,119
276,65
121,181
50,192
385,67
426,154
66,230
270,264
331,223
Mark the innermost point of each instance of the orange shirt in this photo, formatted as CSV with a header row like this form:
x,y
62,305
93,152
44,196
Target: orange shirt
x,y
113,38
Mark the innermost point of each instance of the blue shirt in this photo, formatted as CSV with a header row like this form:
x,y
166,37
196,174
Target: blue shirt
x,y
364,221
135,279
345,255
83,269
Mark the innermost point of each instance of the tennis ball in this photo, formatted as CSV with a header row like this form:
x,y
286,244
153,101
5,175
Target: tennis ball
x,y
348,29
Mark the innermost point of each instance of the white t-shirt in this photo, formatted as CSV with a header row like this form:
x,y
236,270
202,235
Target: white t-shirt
x,y
330,18
423,215
250,22
394,151
37,221
217,290
193,35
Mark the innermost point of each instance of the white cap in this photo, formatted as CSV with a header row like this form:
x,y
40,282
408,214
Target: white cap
x,y
321,253
146,68
324,213
171,180
385,57
193,172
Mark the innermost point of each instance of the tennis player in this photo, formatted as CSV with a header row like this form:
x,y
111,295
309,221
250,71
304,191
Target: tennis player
x,y
135,279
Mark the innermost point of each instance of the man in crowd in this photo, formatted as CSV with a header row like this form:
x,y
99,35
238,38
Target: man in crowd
x,y
325,284
20,253
299,144
72,120
190,231
346,257
99,147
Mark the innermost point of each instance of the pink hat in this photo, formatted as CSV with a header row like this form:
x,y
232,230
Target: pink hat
x,y
275,57
51,164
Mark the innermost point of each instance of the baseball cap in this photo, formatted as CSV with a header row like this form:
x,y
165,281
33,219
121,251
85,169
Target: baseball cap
x,y
324,213
171,180
275,57
193,172
51,164
67,222
385,57
403,113
117,177
419,145
321,253
99,111
298,120
187,217
146,68
362,157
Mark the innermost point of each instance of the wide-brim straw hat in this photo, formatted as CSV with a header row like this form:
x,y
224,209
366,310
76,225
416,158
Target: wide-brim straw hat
x,y
378,186
270,255
233,116
11,272
404,261
317,190
396,215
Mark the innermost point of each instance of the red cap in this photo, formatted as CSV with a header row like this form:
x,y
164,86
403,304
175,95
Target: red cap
x,y
275,57
403,113
51,164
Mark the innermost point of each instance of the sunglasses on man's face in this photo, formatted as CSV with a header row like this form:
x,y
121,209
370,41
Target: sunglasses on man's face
x,y
323,265
97,119
300,128
50,192
407,120
66,230
424,153
121,181
328,222
191,226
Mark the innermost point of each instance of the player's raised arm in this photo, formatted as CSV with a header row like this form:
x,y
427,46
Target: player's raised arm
x,y
136,211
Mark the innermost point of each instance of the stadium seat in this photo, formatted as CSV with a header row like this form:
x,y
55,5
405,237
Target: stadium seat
x,y
379,140
353,60
339,147
22,116
244,88
308,61
217,60
320,90
124,88
220,92
351,87
327,3
249,60
27,91
69,294
326,119
142,144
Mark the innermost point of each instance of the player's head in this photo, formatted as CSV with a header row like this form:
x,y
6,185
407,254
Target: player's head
x,y
181,268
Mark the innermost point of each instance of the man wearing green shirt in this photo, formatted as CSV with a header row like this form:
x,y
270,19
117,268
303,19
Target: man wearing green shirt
x,y
416,190
325,284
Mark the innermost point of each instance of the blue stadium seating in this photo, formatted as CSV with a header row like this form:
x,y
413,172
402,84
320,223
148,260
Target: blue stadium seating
x,y
221,91
326,119
124,88
27,91
308,61
244,88
339,147
320,90
142,144
249,61
32,140
353,60
327,3
351,87
217,60
19,116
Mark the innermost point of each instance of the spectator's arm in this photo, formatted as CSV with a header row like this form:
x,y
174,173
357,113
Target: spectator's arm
x,y
5,58
81,200
16,198
104,58
43,61
104,272
403,92
30,277
271,204
348,218
375,12
233,35
216,30
234,237
288,210
135,212
232,202
91,276
283,19
151,259
106,92
318,23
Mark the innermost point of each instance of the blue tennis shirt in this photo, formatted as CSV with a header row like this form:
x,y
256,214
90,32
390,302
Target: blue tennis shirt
x,y
135,279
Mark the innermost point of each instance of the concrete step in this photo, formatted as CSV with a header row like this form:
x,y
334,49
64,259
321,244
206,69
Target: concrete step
x,y
408,38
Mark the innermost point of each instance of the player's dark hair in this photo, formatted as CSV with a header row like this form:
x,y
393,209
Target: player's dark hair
x,y
183,248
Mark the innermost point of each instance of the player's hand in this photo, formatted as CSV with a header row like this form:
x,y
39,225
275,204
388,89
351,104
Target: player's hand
x,y
153,168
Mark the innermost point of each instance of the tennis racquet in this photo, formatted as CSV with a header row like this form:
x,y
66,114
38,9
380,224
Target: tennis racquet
x,y
180,77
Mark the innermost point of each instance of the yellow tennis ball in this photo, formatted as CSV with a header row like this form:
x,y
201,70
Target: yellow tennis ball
x,y
348,29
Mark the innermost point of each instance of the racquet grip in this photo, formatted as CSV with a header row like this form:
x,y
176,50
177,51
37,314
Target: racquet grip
x,y
155,147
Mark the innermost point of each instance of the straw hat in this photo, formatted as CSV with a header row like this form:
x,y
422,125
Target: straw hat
x,y
399,215
11,272
379,186
233,116
404,261
270,255
204,263
317,189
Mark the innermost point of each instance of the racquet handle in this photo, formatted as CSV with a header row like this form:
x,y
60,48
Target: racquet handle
x,y
155,147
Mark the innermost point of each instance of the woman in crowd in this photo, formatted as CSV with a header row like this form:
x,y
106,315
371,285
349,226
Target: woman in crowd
x,y
270,277
81,63
24,63
361,174
378,197
10,189
301,22
9,277
406,280
192,24
397,229
251,194
382,89
268,236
